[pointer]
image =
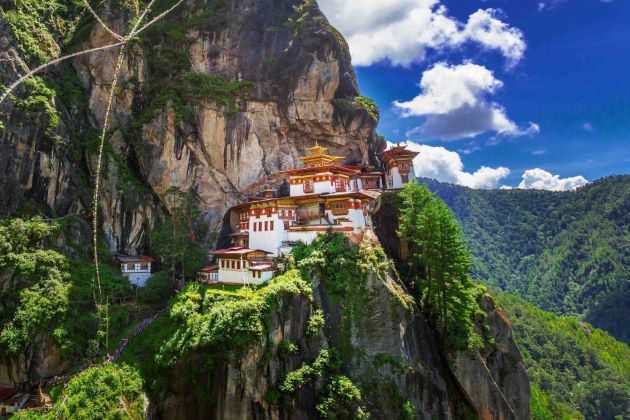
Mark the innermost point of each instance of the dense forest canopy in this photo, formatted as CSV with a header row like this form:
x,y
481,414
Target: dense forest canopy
x,y
582,370
566,252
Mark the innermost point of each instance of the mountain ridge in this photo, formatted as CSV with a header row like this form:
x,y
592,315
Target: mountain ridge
x,y
566,252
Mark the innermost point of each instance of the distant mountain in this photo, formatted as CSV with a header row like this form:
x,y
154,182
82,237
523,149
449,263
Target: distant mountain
x,y
566,252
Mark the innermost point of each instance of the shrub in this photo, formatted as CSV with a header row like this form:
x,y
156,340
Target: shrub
x,y
315,323
341,400
214,320
369,105
106,392
306,373
157,290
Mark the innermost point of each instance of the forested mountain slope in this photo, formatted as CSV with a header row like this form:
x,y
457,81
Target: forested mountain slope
x,y
571,365
566,252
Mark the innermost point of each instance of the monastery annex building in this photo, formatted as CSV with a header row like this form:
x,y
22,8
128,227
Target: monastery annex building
x,y
324,194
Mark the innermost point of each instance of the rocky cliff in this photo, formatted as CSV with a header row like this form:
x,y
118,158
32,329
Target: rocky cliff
x,y
390,352
216,98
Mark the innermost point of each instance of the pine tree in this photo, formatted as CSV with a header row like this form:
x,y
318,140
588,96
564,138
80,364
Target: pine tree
x,y
181,240
440,264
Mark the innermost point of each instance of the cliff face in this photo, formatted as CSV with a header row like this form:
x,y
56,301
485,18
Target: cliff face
x,y
302,90
392,355
223,145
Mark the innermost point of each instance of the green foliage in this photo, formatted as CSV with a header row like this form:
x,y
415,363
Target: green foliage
x,y
181,242
563,251
303,12
40,98
350,104
369,105
158,289
42,295
439,263
543,407
315,323
36,24
307,373
172,83
343,269
49,292
287,348
218,323
341,400
105,392
271,396
570,362
341,266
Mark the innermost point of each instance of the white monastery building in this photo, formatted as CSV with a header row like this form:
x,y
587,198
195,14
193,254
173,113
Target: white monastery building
x,y
136,269
323,195
239,265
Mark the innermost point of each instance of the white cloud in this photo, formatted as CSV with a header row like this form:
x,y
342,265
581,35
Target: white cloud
x,y
539,179
455,101
444,165
485,27
401,31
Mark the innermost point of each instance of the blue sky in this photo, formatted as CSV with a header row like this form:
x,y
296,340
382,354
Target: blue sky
x,y
512,86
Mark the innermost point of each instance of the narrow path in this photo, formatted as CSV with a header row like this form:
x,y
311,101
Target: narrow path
x,y
142,325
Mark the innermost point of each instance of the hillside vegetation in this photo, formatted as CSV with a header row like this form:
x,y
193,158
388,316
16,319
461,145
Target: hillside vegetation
x,y
579,367
565,252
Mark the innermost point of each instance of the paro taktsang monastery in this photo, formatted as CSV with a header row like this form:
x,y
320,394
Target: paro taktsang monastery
x,y
324,194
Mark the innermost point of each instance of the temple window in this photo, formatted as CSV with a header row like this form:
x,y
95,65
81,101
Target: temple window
x,y
340,184
339,208
308,186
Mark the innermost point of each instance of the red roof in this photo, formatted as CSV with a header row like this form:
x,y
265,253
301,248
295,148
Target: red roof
x,y
397,151
261,267
328,168
209,268
123,259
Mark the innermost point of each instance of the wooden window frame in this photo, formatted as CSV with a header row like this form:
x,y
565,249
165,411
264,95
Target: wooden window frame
x,y
308,185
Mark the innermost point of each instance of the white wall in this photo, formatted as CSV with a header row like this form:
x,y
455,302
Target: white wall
x,y
320,187
397,180
323,187
269,240
243,276
305,236
139,279
357,217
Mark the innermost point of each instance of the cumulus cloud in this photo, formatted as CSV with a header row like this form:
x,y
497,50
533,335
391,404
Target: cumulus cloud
x,y
456,103
539,179
444,165
485,27
401,31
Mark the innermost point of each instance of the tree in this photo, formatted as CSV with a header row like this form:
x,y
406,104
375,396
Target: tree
x,y
181,240
440,264
157,290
